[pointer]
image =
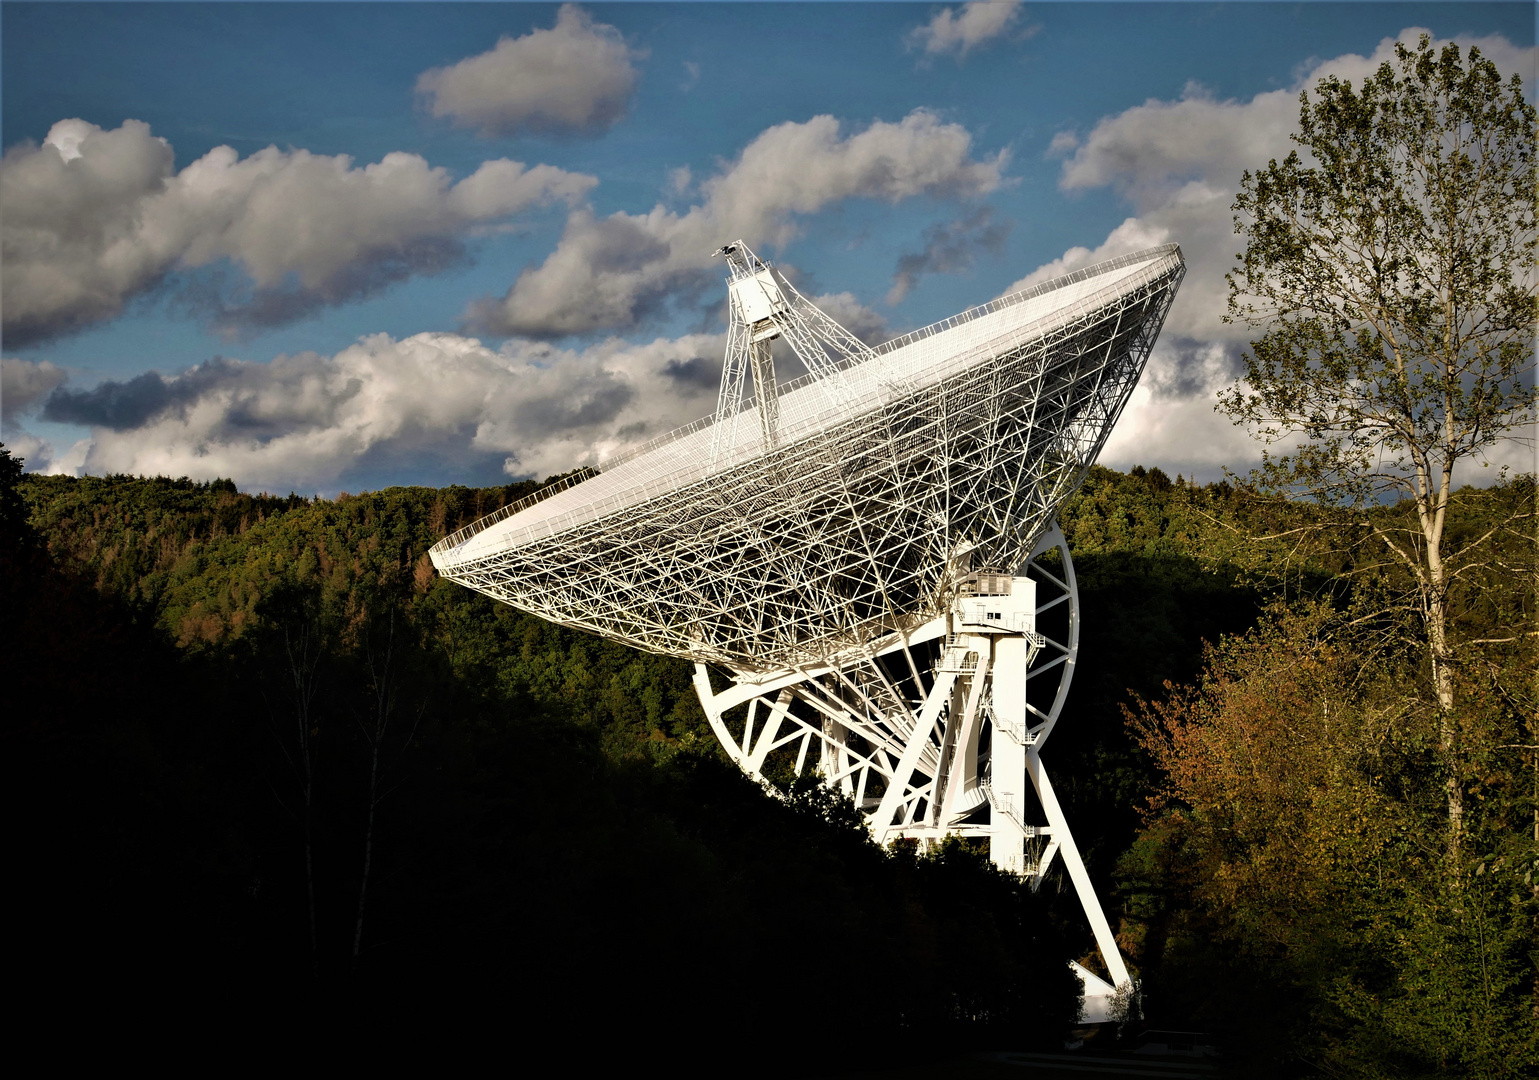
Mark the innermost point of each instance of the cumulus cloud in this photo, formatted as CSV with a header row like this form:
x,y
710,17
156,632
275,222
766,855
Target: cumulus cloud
x,y
305,422
857,318
614,272
1170,421
575,77
1178,163
39,455
957,32
949,248
94,217
24,384
1180,432
1134,234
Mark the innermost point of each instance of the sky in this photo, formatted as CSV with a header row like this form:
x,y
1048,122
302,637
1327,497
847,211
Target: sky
x,y
344,246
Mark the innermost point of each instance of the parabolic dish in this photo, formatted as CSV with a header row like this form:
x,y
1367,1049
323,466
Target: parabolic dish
x,y
712,544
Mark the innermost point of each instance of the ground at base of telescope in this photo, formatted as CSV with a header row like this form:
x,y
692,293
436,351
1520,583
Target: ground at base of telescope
x,y
1020,1065
1150,1056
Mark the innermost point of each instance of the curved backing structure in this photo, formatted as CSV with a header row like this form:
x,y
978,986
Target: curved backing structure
x,y
939,731
868,555
761,551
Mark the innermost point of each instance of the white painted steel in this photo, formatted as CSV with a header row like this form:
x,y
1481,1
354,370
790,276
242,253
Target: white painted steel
x,y
792,543
869,554
942,723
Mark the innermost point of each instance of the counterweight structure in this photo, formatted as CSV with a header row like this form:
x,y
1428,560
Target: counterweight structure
x,y
866,558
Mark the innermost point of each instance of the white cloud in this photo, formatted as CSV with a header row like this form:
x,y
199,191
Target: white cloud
x,y
39,456
1169,420
70,463
93,217
857,318
611,273
34,453
305,422
576,76
1179,164
1064,142
957,32
24,384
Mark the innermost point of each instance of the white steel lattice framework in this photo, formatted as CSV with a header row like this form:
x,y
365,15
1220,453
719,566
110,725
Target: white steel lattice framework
x,y
868,555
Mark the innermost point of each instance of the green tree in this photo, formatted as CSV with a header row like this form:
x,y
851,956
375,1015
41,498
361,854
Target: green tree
x,y
1395,280
1291,849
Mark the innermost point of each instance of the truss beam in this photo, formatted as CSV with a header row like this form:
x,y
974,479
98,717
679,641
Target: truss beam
x,y
953,749
870,552
776,539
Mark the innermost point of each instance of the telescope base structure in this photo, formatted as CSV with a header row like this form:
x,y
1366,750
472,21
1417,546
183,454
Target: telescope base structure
x,y
939,731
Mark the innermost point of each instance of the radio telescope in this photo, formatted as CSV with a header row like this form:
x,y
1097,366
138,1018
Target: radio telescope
x,y
868,555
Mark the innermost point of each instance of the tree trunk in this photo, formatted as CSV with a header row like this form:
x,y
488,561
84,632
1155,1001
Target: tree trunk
x,y
368,846
302,664
1447,733
1434,581
1432,509
383,705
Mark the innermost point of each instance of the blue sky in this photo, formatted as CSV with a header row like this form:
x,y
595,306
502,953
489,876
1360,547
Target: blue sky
x,y
385,327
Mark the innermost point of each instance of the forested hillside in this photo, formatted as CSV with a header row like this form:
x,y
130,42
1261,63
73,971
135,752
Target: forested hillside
x,y
266,749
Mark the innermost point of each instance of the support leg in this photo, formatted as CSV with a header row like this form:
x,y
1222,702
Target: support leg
x,y
1076,866
882,824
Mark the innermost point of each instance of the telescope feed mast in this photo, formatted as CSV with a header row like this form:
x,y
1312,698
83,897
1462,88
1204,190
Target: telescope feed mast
x,y
762,307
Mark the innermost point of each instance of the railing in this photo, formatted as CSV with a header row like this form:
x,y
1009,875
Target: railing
x,y
801,419
1011,299
1016,729
459,536
959,659
893,345
1005,802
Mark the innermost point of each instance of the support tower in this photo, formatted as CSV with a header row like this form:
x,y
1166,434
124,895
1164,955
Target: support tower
x,y
863,563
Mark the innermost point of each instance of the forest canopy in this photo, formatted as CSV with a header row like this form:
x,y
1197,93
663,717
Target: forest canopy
x,y
352,777
270,754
